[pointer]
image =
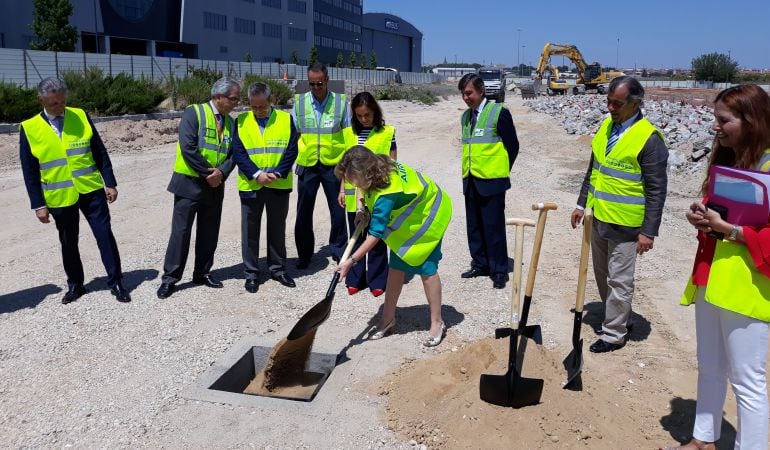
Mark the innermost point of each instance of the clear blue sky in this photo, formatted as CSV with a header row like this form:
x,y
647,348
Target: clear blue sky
x,y
652,33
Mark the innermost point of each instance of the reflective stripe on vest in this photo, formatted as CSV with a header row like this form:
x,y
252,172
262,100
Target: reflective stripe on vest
x,y
379,142
414,230
616,192
265,148
209,145
484,155
67,167
324,142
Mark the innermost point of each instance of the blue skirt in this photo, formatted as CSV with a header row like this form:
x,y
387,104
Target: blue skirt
x,y
427,268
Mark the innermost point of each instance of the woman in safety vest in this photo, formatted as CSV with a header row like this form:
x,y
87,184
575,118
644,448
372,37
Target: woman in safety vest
x,y
368,129
410,213
730,283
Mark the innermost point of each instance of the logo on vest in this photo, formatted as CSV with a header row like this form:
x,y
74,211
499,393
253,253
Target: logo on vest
x,y
401,171
328,123
479,132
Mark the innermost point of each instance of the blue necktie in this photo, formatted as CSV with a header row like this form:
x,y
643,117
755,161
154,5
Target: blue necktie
x,y
474,116
614,136
58,122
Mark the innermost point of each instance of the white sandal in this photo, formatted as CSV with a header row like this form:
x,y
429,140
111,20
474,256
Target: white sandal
x,y
433,341
376,334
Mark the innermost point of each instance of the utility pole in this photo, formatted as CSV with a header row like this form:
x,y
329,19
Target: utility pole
x,y
617,56
96,29
518,51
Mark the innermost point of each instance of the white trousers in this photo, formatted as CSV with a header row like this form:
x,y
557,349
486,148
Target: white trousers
x,y
734,346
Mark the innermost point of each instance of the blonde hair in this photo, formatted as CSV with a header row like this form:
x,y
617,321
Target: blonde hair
x,y
372,170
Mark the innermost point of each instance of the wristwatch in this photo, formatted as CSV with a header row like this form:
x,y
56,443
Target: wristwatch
x,y
733,233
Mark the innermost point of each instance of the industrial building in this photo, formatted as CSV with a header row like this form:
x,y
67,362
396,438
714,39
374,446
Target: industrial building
x,y
234,30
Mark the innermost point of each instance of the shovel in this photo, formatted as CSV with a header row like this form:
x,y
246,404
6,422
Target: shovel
x,y
511,389
533,331
574,361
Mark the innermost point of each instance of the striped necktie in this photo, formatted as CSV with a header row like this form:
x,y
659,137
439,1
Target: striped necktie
x,y
613,137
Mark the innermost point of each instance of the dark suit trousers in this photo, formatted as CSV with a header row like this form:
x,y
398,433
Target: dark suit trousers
x,y
209,214
276,203
307,189
372,273
97,213
485,218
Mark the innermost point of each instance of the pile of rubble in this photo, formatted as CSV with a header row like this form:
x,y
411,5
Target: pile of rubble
x,y
687,128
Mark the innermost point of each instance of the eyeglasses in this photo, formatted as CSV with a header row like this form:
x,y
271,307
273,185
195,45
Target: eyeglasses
x,y
234,99
316,83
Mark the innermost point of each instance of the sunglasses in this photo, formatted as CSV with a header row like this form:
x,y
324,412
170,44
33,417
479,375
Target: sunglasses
x,y
316,83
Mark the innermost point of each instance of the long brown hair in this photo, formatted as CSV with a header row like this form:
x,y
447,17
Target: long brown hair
x,y
751,104
373,170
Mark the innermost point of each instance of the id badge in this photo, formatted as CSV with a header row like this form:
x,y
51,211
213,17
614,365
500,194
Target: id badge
x,y
479,132
328,123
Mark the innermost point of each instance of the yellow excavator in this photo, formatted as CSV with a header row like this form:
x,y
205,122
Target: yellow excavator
x,y
590,76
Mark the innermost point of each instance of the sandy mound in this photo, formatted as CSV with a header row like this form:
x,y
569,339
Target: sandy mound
x,y
436,402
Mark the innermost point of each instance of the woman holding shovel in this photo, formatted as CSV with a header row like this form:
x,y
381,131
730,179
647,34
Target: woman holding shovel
x,y
730,283
410,213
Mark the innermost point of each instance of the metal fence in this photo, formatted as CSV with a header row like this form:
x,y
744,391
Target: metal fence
x,y
27,67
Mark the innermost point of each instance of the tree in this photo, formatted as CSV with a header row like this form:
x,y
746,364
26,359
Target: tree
x,y
340,60
352,60
644,73
373,60
715,67
313,58
363,60
51,25
294,57
247,57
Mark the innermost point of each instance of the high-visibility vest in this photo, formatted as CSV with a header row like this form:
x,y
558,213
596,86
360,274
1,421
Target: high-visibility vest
x,y
415,229
67,167
325,141
734,283
484,155
213,148
265,150
379,143
616,193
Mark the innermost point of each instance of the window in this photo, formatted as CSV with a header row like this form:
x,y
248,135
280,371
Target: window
x,y
326,20
357,10
272,3
249,1
131,10
337,22
317,40
298,6
297,34
214,21
326,42
244,26
271,30
356,29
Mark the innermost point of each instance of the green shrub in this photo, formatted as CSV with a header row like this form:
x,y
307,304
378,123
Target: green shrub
x,y
18,103
188,91
280,90
129,96
88,90
409,93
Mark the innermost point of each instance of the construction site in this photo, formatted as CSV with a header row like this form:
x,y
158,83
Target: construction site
x,y
176,373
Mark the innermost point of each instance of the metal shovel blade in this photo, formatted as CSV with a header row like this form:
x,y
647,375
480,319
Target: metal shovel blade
x,y
315,315
511,389
574,365
530,331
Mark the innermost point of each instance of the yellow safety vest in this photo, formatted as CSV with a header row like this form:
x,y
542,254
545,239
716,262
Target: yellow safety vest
x,y
484,155
616,193
324,142
210,146
379,143
734,282
67,167
415,229
265,151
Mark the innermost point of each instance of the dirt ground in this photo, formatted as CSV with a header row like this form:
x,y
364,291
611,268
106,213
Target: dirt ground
x,y
399,395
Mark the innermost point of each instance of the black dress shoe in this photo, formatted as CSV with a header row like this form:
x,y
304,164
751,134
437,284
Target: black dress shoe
x,y
475,272
303,264
73,294
601,346
209,281
120,293
165,290
284,280
499,280
252,286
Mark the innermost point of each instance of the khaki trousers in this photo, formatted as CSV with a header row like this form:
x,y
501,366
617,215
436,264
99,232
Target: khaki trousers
x,y
614,264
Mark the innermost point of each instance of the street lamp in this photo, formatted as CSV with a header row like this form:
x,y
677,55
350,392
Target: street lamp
x,y
518,51
523,47
617,56
280,58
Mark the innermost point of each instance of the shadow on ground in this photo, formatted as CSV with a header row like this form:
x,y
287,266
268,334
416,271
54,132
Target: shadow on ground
x,y
26,298
594,315
680,421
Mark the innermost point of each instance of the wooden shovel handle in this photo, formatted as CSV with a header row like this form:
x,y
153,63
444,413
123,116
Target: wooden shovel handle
x,y
522,222
585,248
517,264
539,232
352,242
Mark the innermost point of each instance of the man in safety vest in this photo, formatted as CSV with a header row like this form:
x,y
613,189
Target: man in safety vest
x,y
66,169
320,115
203,162
625,184
264,148
490,147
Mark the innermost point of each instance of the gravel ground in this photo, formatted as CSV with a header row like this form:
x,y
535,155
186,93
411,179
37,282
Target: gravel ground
x,y
97,373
